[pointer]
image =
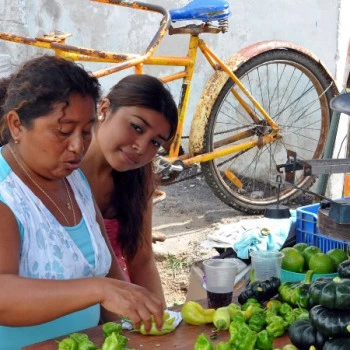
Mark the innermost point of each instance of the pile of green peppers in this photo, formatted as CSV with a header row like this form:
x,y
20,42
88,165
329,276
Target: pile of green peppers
x,y
254,327
203,343
113,340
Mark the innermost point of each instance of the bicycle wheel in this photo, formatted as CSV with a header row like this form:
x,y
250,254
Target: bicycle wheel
x,y
295,91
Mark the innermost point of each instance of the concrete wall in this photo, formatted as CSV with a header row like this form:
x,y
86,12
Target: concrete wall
x,y
319,25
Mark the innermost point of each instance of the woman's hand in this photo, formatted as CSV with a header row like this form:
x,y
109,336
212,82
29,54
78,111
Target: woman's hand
x,y
133,302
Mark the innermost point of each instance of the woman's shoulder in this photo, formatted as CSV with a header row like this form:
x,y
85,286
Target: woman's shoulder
x,y
4,166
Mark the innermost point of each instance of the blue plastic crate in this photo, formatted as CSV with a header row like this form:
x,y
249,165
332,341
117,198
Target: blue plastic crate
x,y
306,230
307,218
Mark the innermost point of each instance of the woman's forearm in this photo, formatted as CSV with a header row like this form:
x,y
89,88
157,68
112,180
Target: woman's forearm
x,y
26,301
147,276
21,298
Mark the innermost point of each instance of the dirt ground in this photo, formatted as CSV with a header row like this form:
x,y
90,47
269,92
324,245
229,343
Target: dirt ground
x,y
188,213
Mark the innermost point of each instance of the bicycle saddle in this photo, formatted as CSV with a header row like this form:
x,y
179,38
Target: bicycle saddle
x,y
203,10
341,103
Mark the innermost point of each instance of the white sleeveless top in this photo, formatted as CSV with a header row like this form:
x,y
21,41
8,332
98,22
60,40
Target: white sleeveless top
x,y
47,251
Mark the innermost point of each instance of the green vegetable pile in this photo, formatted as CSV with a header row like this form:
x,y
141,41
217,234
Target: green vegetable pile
x,y
113,340
329,325
252,326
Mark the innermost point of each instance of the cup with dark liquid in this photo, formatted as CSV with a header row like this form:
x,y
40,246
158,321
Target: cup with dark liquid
x,y
220,275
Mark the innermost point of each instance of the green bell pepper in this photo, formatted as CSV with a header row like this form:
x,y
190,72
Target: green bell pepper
x,y
257,322
86,345
275,318
79,337
238,318
77,341
285,309
202,343
270,314
274,304
241,336
115,342
302,313
233,309
291,317
254,302
68,344
297,293
109,327
223,345
277,327
264,340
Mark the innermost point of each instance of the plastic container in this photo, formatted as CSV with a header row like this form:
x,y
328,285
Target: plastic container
x,y
266,264
220,274
295,276
306,230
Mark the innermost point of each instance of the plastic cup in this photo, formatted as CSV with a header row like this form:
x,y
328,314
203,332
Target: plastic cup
x,y
266,264
220,275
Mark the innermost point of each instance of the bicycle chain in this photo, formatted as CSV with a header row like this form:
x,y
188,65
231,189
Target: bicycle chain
x,y
171,182
183,178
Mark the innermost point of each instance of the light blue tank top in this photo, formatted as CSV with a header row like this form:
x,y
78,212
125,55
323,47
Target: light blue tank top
x,y
14,338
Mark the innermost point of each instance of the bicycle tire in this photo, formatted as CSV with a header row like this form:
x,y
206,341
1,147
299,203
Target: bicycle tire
x,y
295,90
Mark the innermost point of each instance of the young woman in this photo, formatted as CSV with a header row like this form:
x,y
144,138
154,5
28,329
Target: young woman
x,y
137,117
56,269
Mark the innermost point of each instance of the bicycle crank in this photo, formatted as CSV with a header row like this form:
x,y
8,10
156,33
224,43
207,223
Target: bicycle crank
x,y
164,168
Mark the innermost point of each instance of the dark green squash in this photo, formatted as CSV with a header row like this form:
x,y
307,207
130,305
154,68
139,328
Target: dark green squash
x,y
333,293
337,344
331,323
344,269
260,290
302,334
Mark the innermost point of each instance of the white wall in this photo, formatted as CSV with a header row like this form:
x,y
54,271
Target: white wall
x,y
318,25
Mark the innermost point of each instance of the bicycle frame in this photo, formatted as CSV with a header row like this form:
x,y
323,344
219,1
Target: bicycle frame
x,y
57,43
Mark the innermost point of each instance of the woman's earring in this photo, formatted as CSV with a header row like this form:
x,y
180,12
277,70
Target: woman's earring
x,y
101,118
16,141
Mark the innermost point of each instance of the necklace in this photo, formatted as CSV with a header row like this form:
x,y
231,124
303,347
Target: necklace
x,y
70,202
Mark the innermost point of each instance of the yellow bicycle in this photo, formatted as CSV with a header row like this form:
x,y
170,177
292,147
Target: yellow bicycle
x,y
267,98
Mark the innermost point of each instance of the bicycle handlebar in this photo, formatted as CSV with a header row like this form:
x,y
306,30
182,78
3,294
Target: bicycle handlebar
x,y
57,43
138,5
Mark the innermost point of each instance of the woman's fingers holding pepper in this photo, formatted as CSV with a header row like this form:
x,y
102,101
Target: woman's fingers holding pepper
x,y
133,302
157,311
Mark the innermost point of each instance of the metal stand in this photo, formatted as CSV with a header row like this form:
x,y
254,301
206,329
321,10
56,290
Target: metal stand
x,y
339,210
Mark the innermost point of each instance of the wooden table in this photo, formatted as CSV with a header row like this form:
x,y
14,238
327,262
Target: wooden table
x,y
184,337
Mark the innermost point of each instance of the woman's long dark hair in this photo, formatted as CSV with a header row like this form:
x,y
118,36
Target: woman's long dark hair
x,y
132,189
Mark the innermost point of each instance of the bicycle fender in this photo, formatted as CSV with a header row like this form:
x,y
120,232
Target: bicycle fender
x,y
219,78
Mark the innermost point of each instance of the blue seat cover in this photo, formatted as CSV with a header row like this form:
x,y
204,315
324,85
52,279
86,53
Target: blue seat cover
x,y
203,10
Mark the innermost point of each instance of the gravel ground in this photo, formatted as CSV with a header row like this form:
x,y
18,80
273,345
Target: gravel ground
x,y
188,213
